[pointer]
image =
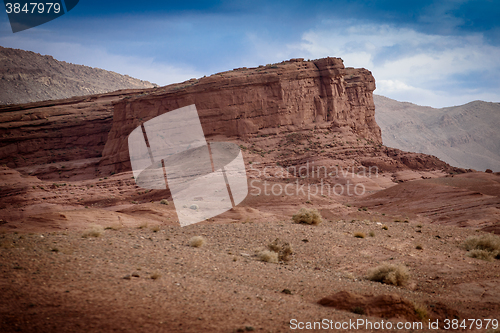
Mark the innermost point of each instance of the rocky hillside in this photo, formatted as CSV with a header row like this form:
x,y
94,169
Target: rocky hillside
x,y
464,136
30,77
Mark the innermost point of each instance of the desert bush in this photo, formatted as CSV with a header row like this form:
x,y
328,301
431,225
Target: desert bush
x,y
480,254
485,247
421,311
385,227
283,249
397,275
308,216
197,241
164,202
155,276
155,228
419,247
359,234
372,233
268,256
93,231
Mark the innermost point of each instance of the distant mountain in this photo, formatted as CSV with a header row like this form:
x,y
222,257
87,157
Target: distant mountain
x,y
30,77
466,136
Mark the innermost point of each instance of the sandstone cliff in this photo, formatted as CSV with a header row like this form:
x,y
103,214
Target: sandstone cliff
x,y
269,99
30,77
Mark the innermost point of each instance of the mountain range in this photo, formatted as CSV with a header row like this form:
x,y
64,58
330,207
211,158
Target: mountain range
x,y
464,136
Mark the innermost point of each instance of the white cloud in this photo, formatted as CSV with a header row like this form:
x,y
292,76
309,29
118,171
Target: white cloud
x,y
408,65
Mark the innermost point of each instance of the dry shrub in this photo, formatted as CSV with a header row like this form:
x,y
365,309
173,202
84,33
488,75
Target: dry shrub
x,y
155,228
308,216
397,275
268,256
283,249
359,234
197,241
155,276
164,202
372,233
93,231
485,247
421,311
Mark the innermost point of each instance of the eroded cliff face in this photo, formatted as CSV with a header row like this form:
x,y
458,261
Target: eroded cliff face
x,y
246,102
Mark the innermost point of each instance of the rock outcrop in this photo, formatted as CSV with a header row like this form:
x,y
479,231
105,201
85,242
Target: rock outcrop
x,y
246,102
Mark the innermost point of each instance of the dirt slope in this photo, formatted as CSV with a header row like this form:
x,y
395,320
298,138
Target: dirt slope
x,y
30,77
464,136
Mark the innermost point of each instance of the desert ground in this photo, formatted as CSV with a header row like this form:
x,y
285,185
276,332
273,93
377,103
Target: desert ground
x,y
405,240
101,254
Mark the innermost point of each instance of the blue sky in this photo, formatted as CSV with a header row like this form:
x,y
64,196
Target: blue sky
x,y
437,53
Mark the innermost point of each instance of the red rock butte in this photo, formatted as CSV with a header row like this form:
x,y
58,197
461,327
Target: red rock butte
x,y
270,99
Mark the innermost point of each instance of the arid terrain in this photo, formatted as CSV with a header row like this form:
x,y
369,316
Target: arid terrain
x,y
84,249
31,77
465,136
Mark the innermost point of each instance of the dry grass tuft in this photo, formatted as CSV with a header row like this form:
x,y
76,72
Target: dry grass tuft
x,y
397,275
372,233
268,256
197,241
164,202
93,231
359,234
155,276
385,227
155,228
283,249
308,216
421,311
485,247
480,254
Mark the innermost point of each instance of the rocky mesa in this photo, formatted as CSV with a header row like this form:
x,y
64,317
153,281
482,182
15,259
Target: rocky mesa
x,y
286,96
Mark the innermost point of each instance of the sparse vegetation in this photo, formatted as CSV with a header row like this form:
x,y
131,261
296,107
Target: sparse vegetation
x,y
485,247
372,233
93,231
155,276
359,234
358,310
385,227
283,249
421,311
419,247
397,275
155,228
164,202
197,241
268,256
480,254
308,216
143,225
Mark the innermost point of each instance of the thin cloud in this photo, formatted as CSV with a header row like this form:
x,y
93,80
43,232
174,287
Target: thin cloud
x,y
410,65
